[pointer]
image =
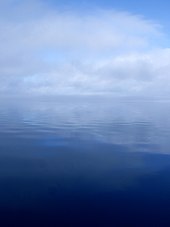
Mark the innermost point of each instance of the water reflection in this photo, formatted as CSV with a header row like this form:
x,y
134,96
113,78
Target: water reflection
x,y
140,126
92,161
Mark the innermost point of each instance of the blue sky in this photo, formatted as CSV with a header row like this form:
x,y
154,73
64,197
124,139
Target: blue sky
x,y
85,47
155,10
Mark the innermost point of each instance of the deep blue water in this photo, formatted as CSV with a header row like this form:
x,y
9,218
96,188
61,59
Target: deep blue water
x,y
84,162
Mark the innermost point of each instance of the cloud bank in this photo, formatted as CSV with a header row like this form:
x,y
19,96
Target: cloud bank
x,y
49,51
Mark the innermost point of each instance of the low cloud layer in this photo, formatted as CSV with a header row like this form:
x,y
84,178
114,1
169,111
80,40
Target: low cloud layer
x,y
47,51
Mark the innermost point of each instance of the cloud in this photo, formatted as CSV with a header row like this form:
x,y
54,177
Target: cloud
x,y
47,51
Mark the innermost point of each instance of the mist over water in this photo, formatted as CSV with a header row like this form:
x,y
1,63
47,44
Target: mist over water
x,y
84,162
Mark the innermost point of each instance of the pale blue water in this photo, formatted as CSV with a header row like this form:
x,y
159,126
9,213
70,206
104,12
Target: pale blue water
x,y
84,162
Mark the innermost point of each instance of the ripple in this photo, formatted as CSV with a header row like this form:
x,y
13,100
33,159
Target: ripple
x,y
140,127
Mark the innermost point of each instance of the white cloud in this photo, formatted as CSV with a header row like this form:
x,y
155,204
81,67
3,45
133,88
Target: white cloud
x,y
44,50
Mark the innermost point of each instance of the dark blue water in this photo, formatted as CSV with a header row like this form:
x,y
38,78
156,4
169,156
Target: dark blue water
x,y
84,162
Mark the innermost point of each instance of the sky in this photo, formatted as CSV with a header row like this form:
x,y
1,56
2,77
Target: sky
x,y
104,47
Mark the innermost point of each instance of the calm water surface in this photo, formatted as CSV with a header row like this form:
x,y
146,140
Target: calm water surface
x,y
84,162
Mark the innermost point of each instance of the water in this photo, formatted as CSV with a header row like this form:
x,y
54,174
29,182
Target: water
x,y
84,162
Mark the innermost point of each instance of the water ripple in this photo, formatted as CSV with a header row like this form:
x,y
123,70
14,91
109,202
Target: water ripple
x,y
141,127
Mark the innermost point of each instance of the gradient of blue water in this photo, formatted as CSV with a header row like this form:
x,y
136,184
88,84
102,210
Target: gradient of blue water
x,y
84,162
